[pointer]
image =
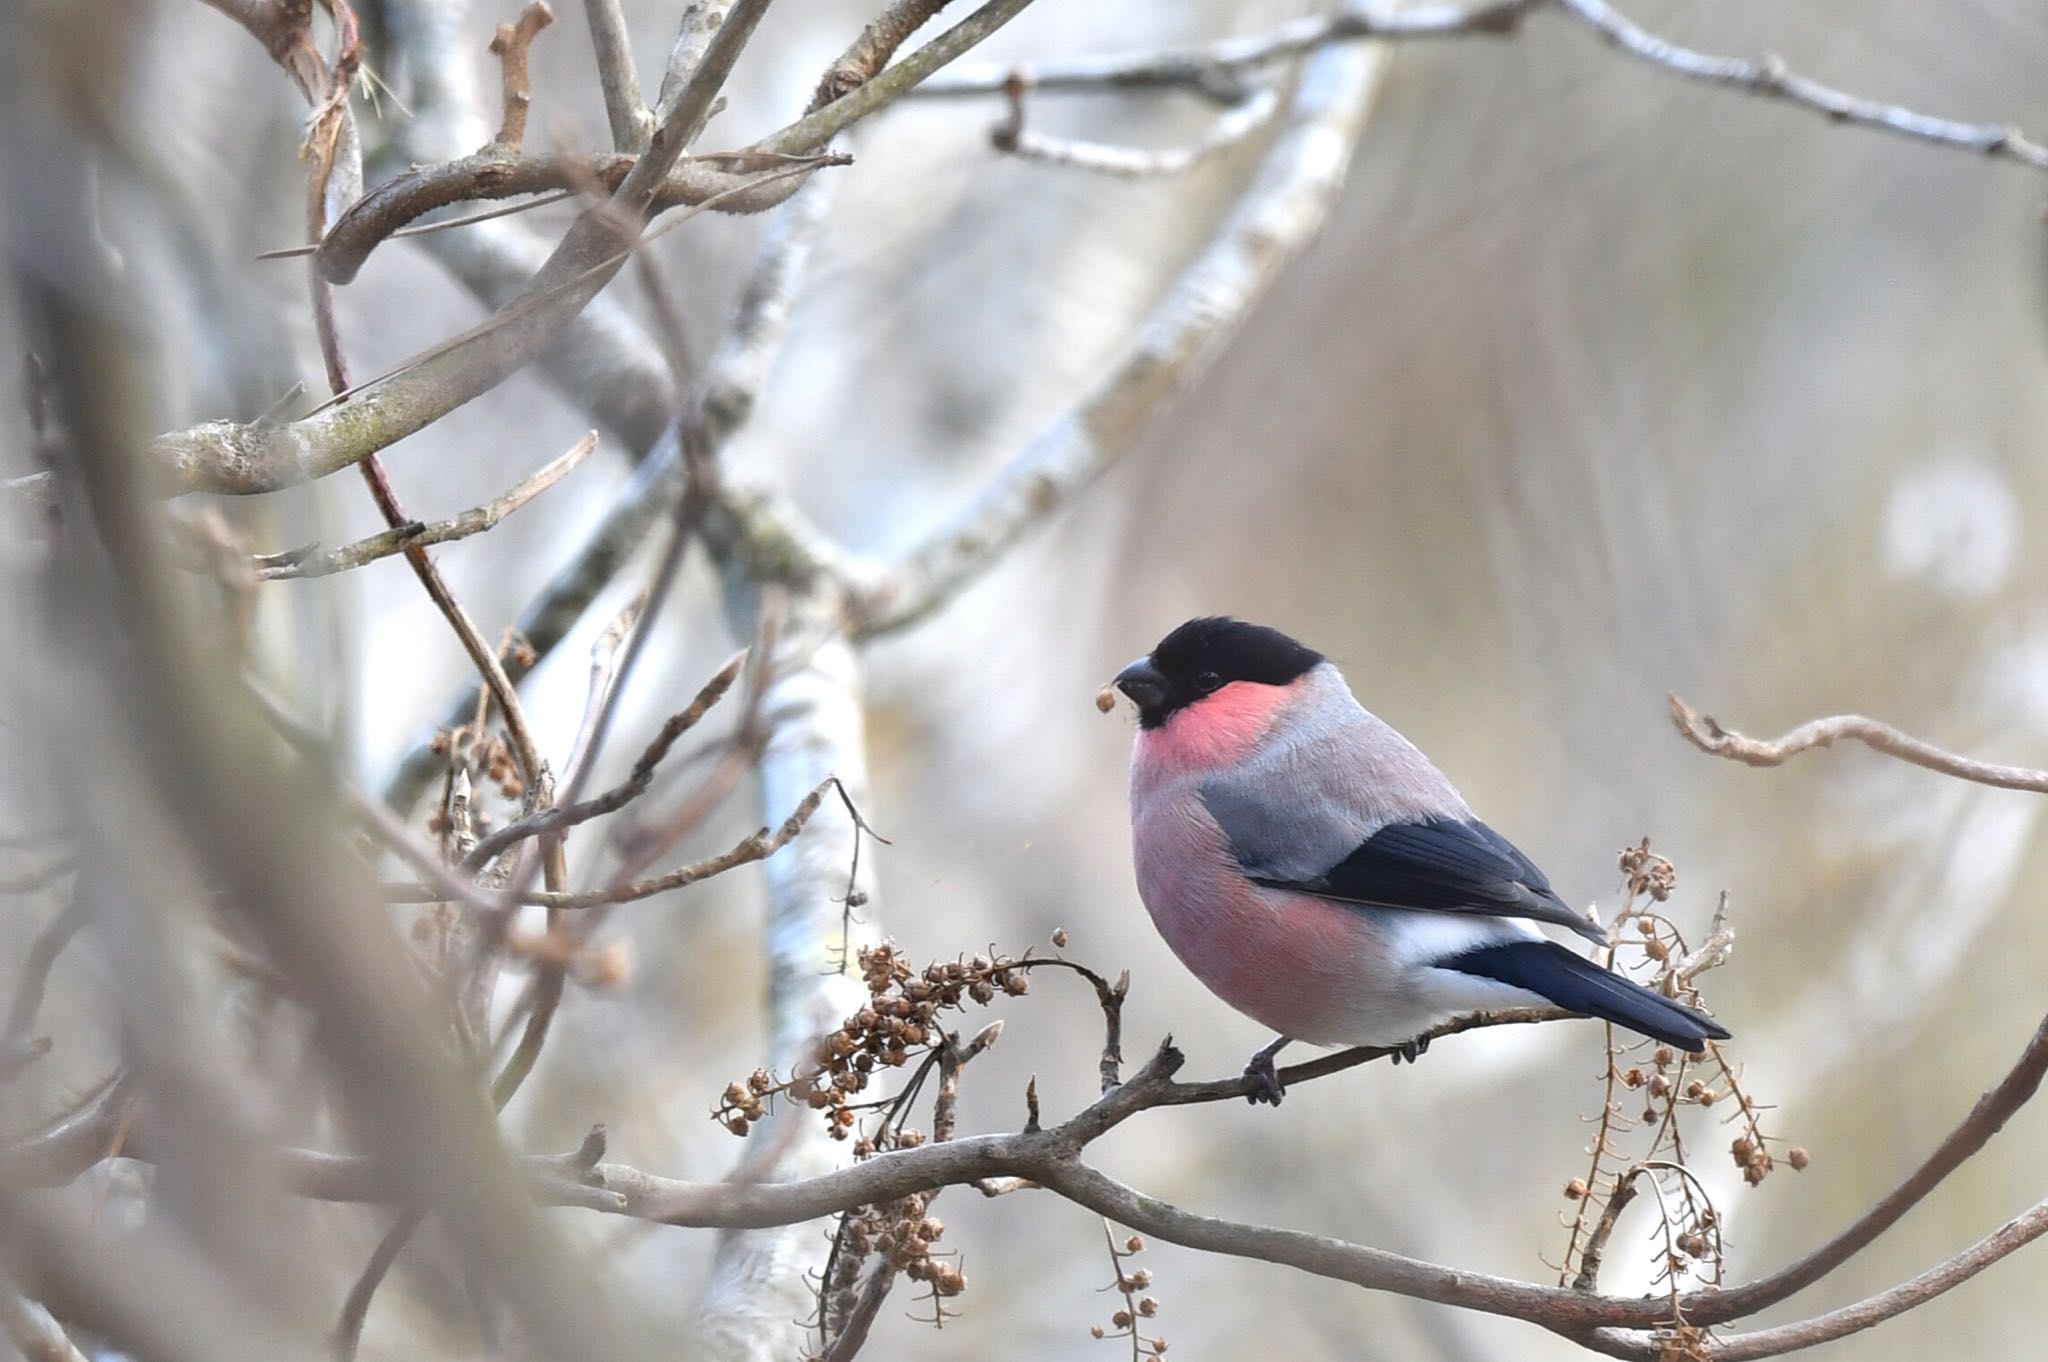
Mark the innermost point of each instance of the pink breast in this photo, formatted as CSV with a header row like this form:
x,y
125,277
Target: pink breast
x,y
1294,963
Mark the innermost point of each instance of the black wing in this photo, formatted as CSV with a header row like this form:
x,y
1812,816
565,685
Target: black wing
x,y
1443,865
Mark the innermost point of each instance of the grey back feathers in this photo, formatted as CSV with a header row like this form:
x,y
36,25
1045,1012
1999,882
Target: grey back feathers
x,y
1327,776
1336,803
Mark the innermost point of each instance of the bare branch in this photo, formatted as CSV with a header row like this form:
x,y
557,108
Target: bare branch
x,y
1705,732
731,381
630,121
221,456
239,459
1219,70
700,22
602,357
566,816
604,656
1233,127
871,51
696,88
1984,1120
19,1046
1595,1250
1281,211
1768,78
2015,1234
814,131
816,736
355,1307
510,45
35,1334
758,846
1049,1158
315,562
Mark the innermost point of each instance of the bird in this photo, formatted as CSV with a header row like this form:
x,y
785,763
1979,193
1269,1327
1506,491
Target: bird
x,y
1318,873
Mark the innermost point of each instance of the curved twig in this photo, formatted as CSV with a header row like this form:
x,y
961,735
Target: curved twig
x,y
499,172
314,561
1706,733
1768,78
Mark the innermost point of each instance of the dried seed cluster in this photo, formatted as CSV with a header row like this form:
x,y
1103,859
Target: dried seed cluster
x,y
1132,1283
490,758
901,1234
1649,875
901,1019
1682,1343
1665,1084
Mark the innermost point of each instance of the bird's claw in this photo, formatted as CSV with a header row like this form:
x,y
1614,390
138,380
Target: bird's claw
x,y
1411,1051
1266,1076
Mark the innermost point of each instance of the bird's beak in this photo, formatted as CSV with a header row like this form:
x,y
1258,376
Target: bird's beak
x,y
1143,683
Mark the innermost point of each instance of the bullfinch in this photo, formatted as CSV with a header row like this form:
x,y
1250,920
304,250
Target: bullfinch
x,y
1313,868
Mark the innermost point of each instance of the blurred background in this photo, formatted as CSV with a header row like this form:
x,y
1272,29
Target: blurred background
x,y
1597,386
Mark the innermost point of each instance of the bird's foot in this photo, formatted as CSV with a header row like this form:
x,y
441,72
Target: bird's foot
x,y
1266,1075
1412,1051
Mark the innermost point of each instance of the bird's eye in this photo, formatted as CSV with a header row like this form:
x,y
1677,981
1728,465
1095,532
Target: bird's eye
x,y
1207,682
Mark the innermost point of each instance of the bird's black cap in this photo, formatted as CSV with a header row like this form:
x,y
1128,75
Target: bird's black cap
x,y
1207,654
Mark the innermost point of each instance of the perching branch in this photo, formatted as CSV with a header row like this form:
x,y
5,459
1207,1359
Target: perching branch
x,y
1706,733
1050,1158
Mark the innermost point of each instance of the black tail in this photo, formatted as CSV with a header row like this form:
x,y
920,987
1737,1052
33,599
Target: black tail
x,y
1578,985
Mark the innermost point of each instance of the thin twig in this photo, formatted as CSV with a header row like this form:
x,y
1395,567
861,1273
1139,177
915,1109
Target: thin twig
x,y
691,110
1769,78
1218,70
1595,1249
623,109
312,561
511,46
731,381
757,846
815,131
19,1047
355,1307
489,665
1284,208
1875,1309
33,1331
871,51
521,311
286,33
604,657
1706,733
1985,1119
568,815
1234,126
226,456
